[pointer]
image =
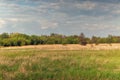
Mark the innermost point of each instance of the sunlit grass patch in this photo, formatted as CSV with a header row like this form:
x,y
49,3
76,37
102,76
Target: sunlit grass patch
x,y
35,64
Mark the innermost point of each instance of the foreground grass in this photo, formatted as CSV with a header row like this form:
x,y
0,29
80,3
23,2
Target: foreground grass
x,y
35,64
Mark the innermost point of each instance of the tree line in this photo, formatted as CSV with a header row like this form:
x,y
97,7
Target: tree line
x,y
19,39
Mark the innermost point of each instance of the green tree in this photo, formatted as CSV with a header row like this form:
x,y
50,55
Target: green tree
x,y
82,39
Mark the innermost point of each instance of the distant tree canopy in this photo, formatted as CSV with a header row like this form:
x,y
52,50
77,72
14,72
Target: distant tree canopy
x,y
19,39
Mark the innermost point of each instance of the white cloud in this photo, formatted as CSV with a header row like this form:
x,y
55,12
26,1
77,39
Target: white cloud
x,y
100,27
115,12
87,5
14,20
2,23
45,24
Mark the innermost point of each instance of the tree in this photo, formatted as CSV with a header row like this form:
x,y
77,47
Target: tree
x,y
4,35
82,39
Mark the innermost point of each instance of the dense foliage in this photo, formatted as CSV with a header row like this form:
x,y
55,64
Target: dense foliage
x,y
19,39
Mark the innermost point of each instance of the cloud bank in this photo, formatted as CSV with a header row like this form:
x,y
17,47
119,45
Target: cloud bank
x,y
93,17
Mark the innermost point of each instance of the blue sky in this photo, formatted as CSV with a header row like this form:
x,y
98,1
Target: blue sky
x,y
92,17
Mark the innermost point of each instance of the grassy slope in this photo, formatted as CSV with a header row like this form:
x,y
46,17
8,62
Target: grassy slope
x,y
35,64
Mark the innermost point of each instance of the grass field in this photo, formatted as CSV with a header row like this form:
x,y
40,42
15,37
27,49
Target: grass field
x,y
37,64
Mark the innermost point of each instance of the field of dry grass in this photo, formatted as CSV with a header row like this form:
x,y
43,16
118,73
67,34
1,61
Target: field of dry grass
x,y
36,64
60,62
69,47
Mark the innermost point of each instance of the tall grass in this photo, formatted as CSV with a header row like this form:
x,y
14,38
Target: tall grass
x,y
35,64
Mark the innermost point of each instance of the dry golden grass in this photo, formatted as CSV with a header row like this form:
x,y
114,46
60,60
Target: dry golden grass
x,y
68,47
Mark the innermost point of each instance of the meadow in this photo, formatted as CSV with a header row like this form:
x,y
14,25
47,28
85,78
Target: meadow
x,y
44,64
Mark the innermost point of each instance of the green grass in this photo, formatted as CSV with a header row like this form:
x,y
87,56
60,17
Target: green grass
x,y
35,64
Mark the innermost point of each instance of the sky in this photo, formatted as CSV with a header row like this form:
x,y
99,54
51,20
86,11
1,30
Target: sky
x,y
69,17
